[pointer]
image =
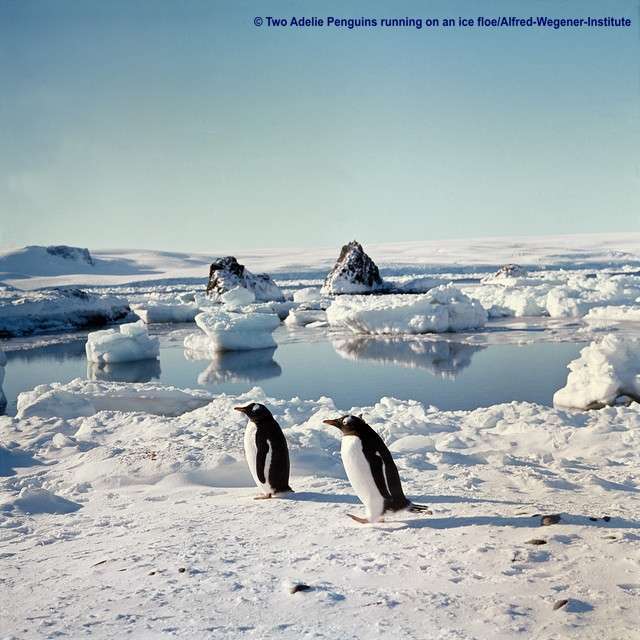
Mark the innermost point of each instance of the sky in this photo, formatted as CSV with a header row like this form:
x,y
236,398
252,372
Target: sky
x,y
181,125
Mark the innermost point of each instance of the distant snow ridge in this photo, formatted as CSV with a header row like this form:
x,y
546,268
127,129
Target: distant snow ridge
x,y
230,331
70,253
442,309
127,343
604,372
27,312
354,272
226,274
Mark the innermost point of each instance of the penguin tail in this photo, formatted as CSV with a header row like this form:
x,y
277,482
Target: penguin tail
x,y
420,508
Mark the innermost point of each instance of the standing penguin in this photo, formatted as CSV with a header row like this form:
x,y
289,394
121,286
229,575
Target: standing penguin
x,y
371,470
265,448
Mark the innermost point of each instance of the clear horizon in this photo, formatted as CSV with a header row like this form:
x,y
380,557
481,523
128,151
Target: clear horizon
x,y
150,125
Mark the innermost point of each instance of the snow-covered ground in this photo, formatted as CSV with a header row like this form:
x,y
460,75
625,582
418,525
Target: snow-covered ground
x,y
116,523
126,509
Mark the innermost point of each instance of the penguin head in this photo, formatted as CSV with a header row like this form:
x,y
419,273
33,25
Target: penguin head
x,y
349,425
255,411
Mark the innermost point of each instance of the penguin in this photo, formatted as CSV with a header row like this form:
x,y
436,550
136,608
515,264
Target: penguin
x,y
371,470
265,448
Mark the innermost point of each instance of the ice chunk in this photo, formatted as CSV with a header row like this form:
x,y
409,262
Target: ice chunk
x,y
237,298
605,371
305,317
307,295
164,312
127,343
353,272
444,308
84,398
622,313
230,331
28,312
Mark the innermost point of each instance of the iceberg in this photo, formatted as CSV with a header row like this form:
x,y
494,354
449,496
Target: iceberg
x,y
231,331
127,343
442,309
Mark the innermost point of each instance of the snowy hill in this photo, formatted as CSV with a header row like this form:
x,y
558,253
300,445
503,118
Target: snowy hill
x,y
34,267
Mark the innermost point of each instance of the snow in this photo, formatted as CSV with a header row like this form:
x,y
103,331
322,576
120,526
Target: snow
x,y
157,513
230,331
442,309
606,369
127,343
29,312
622,313
119,266
555,294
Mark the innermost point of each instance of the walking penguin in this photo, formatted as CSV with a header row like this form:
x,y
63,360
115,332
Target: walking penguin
x,y
265,448
371,470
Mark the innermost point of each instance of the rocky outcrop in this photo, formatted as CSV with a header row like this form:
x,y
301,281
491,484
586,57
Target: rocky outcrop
x,y
70,253
227,273
354,272
510,271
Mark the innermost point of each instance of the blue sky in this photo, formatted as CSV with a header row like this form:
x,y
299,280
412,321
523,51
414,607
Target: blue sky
x,y
181,125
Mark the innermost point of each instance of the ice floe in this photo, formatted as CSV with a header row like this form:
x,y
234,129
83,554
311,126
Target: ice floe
x,y
28,312
152,312
606,371
86,398
231,331
442,309
127,343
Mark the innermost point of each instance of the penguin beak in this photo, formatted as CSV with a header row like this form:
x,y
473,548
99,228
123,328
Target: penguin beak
x,y
334,423
242,409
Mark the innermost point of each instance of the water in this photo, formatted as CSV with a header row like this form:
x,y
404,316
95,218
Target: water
x,y
354,371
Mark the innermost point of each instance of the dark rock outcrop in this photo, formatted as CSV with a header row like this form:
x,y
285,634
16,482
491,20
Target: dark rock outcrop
x,y
354,272
70,253
227,273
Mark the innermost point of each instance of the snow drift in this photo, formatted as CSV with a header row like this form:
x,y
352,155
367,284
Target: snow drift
x,y
442,309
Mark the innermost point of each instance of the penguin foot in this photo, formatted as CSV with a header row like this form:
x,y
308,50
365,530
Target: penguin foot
x,y
262,496
357,519
420,508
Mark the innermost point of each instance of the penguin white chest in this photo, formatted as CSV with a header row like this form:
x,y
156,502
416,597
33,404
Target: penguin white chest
x,y
361,477
251,454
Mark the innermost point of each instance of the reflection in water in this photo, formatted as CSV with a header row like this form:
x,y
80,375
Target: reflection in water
x,y
139,371
237,366
441,357
57,352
